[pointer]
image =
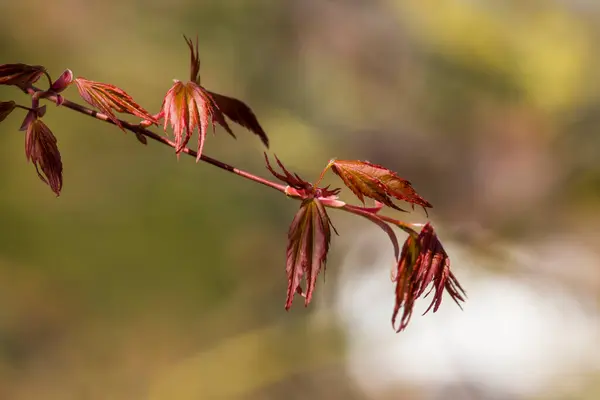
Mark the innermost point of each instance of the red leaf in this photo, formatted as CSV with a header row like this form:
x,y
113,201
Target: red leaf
x,y
240,113
203,106
21,75
405,285
187,107
376,182
41,149
423,262
6,107
106,98
308,243
194,60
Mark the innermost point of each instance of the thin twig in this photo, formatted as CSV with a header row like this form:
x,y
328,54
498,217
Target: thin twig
x,y
137,129
140,130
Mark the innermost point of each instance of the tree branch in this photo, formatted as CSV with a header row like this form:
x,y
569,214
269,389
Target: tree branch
x,y
140,130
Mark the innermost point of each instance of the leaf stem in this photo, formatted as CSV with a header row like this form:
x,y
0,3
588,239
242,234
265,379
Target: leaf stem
x,y
49,78
23,107
407,227
140,130
323,173
137,129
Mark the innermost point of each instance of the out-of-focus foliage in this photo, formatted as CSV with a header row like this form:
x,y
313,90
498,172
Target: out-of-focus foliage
x,y
156,278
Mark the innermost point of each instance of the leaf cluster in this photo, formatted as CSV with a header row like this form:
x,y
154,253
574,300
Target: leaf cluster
x,y
188,107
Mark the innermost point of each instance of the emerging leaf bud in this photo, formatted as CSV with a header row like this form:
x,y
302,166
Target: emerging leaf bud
x,y
379,183
62,82
189,106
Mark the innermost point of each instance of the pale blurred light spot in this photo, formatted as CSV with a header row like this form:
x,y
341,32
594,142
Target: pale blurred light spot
x,y
516,336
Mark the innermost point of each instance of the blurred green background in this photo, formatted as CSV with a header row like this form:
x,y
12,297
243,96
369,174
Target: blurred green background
x,y
153,278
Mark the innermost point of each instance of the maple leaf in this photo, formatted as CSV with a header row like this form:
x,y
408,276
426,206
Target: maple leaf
x,y
423,263
239,112
309,237
21,75
376,182
6,107
107,98
189,106
41,149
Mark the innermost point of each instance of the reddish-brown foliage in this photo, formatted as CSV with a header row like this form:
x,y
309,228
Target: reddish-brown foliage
x,y
21,75
240,113
376,182
308,243
106,98
423,262
186,107
41,149
189,106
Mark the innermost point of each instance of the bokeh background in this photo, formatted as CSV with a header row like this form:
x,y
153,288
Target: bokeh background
x,y
153,278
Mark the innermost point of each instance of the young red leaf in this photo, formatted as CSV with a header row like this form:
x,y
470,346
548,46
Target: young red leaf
x,y
107,98
6,107
241,114
194,60
376,182
188,106
21,75
423,262
41,149
308,243
406,282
